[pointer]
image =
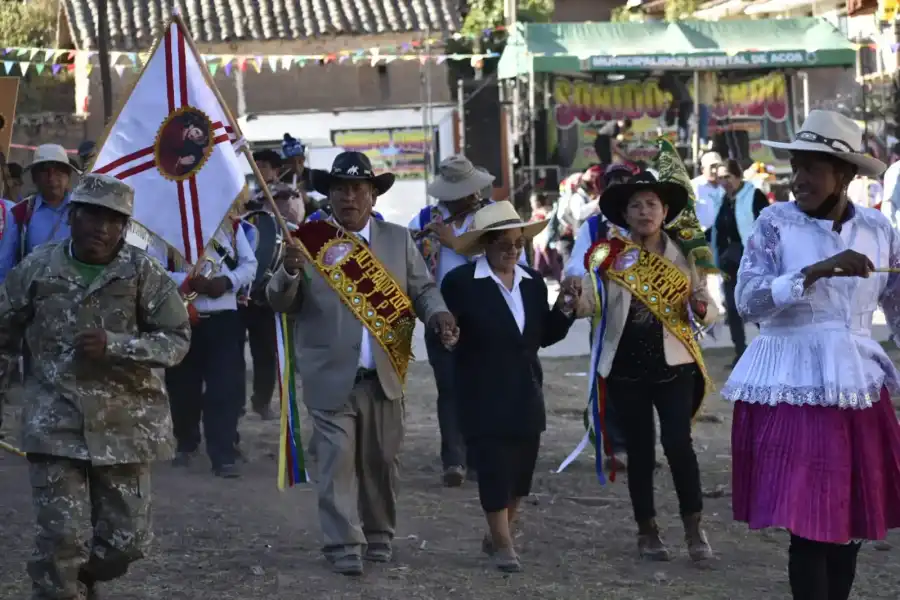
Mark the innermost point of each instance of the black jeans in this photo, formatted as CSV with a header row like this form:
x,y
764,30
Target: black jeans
x,y
821,571
259,323
613,426
673,400
215,361
453,446
735,323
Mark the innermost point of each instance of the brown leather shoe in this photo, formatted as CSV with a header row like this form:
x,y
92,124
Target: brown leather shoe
x,y
650,544
695,538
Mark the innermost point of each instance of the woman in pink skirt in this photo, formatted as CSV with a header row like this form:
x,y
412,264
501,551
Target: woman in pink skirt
x,y
815,441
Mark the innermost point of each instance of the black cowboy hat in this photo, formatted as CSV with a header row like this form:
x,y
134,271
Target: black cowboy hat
x,y
614,199
354,166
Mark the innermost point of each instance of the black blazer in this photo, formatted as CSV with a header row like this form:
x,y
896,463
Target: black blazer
x,y
498,376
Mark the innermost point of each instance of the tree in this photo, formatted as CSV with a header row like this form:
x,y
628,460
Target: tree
x,y
33,24
29,24
480,33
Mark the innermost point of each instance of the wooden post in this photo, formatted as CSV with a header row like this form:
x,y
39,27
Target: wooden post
x,y
103,48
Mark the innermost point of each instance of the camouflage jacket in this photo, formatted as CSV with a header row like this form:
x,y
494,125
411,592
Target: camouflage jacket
x,y
109,411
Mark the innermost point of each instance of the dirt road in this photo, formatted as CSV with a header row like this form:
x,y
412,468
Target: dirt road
x,y
243,540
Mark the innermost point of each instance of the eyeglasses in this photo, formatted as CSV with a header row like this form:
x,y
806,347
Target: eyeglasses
x,y
505,245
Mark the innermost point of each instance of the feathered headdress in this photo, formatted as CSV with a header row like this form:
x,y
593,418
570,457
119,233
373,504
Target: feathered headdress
x,y
685,228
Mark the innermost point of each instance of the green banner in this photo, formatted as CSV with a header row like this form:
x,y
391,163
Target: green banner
x,y
716,61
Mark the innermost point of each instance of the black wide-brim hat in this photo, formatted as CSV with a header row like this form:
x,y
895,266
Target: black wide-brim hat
x,y
615,199
354,166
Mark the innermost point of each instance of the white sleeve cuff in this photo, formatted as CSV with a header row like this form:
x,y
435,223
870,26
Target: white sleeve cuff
x,y
788,289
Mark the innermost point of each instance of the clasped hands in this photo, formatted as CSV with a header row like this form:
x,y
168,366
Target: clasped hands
x,y
444,324
91,344
213,288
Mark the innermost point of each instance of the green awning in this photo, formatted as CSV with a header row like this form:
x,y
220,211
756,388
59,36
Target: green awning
x,y
679,46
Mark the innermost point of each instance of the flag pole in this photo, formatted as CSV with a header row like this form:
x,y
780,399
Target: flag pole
x,y
237,130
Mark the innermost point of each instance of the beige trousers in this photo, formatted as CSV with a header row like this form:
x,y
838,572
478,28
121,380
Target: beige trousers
x,y
355,450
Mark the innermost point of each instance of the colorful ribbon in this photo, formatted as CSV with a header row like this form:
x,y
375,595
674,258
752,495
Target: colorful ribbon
x,y
291,462
596,407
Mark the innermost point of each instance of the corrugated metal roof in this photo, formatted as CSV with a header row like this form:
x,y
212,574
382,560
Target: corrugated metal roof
x,y
135,24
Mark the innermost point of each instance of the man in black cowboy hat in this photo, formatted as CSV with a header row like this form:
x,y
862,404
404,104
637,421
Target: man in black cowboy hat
x,y
352,384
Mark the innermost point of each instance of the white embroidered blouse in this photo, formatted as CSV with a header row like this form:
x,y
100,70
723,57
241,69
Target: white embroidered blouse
x,y
815,346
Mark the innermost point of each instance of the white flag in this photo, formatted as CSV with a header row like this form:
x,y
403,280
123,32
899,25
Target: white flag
x,y
172,141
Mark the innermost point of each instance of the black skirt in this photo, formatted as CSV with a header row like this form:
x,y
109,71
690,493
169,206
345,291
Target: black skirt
x,y
505,466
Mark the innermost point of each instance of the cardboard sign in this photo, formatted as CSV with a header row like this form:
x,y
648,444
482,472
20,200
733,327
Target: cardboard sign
x,y
9,93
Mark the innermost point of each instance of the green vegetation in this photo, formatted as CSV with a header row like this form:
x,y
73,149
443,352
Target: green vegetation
x,y
30,23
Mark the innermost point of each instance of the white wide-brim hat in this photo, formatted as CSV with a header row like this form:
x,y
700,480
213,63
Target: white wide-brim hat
x,y
458,178
830,132
498,216
51,153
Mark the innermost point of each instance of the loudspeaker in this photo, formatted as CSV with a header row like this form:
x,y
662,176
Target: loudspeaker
x,y
483,126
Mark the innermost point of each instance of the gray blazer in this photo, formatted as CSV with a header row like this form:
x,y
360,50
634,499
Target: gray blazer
x,y
328,336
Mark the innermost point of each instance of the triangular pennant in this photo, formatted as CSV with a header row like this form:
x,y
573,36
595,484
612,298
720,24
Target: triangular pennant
x,y
33,52
301,62
228,69
89,69
22,51
39,67
242,63
213,67
49,55
423,59
23,65
120,69
133,57
286,62
440,59
114,57
227,58
389,59
71,55
258,63
273,63
56,67
8,66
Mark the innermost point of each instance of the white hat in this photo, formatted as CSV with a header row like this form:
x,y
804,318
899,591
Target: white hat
x,y
498,216
51,153
709,159
458,178
830,132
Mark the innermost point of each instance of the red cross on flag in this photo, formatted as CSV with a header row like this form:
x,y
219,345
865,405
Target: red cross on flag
x,y
172,141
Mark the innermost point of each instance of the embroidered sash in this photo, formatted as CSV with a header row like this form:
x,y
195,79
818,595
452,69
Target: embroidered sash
x,y
664,289
365,286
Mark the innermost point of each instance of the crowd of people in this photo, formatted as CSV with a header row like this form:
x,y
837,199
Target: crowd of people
x,y
815,442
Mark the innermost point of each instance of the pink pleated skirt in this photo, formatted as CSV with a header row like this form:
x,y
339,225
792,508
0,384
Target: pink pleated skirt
x,y
823,473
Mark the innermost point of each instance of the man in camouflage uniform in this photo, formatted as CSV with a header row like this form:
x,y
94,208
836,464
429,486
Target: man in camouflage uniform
x,y
99,316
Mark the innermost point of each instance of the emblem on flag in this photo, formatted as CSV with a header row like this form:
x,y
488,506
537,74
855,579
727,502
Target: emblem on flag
x,y
183,143
172,141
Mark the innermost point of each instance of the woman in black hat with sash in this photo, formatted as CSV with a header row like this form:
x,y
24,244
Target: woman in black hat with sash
x,y
647,356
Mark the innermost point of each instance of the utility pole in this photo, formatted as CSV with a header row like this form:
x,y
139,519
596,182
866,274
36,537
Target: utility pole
x,y
103,48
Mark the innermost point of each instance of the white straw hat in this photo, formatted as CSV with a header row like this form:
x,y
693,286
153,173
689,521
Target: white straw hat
x,y
458,178
498,216
830,132
51,153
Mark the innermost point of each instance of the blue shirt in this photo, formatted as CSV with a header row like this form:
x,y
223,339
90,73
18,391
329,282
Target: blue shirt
x,y
47,224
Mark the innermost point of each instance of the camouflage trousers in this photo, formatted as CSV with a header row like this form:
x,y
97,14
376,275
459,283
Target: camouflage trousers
x,y
65,492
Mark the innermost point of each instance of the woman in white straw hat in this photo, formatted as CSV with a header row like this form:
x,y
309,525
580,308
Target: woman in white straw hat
x,y
815,441
504,318
461,188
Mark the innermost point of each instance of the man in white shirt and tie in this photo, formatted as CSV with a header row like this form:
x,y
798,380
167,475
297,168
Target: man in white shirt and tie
x,y
210,382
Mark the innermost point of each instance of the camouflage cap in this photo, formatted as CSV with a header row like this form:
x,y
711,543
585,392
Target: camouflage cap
x,y
106,191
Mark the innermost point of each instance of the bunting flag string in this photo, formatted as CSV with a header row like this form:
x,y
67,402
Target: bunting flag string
x,y
291,462
275,64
